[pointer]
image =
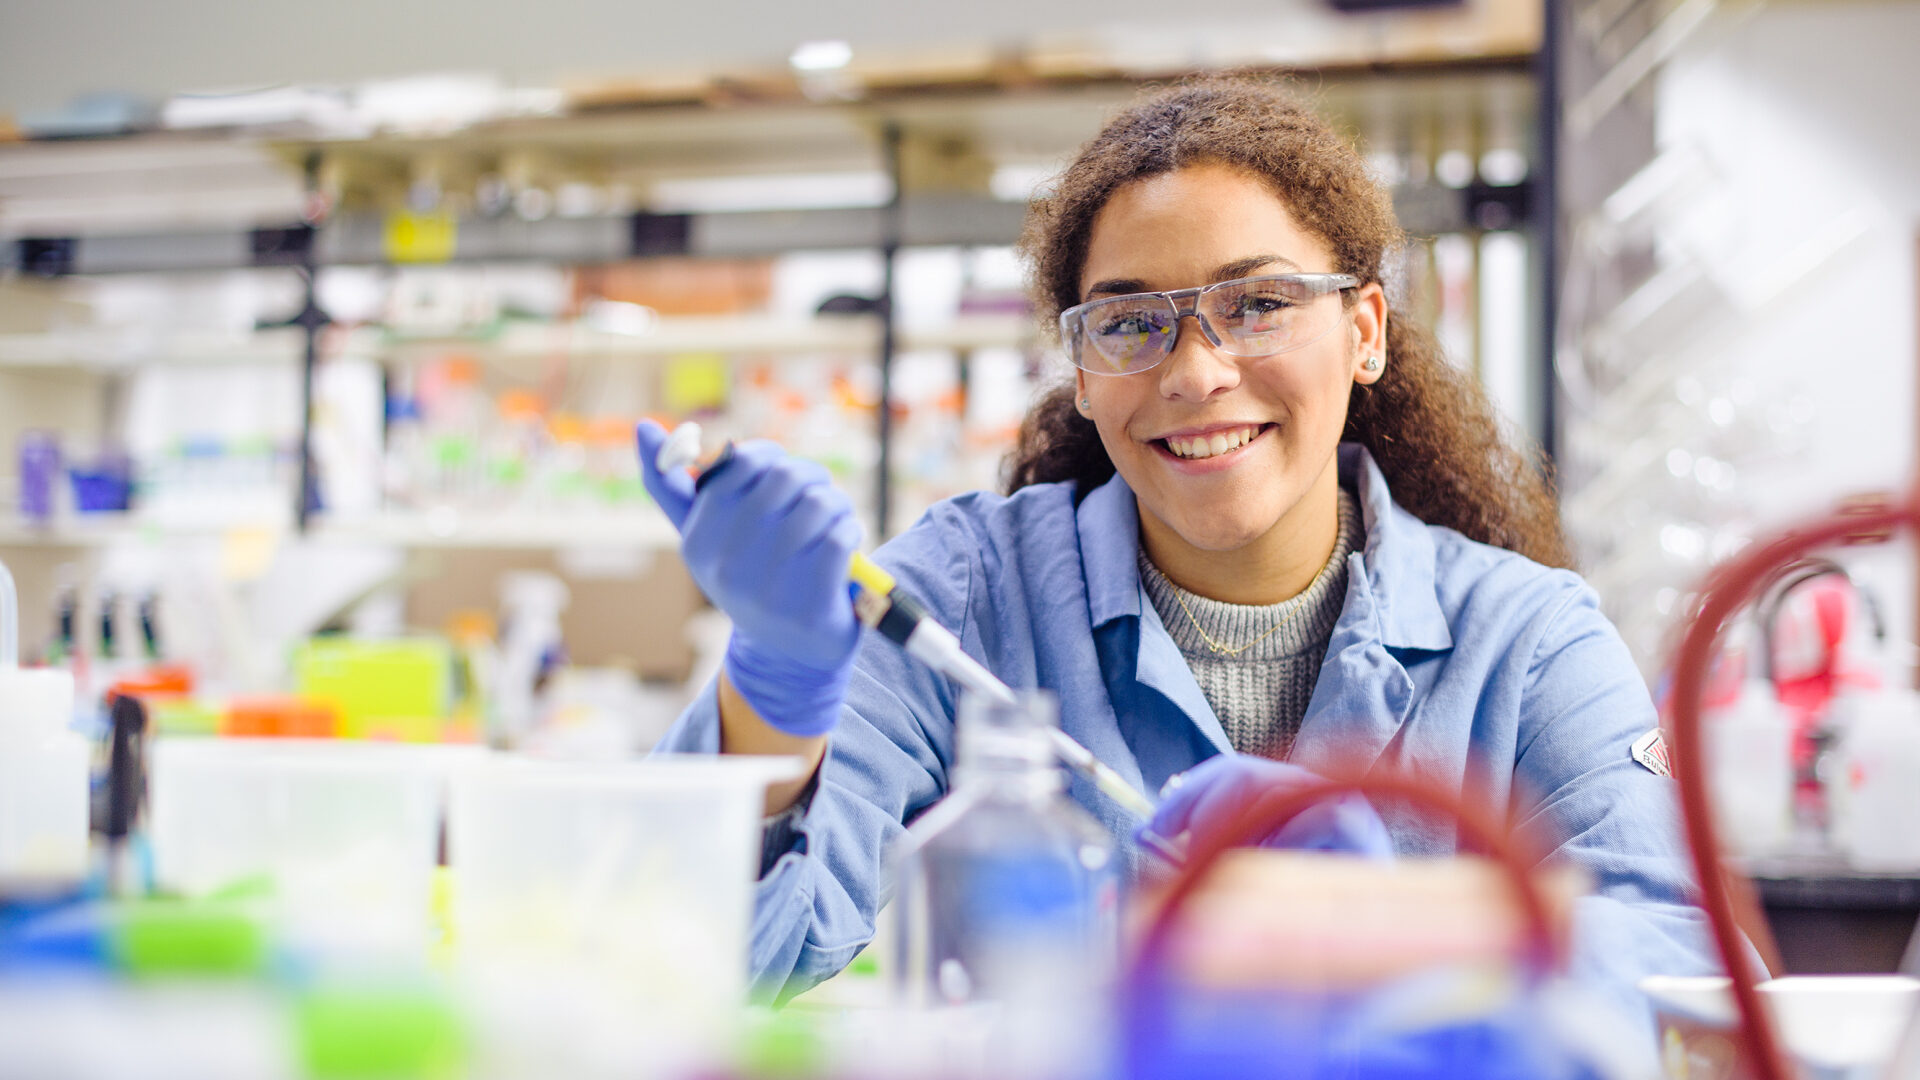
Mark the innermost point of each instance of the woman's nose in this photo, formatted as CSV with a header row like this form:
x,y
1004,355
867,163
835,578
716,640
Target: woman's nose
x,y
1195,370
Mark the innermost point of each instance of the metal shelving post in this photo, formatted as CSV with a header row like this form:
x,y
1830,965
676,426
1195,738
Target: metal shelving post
x,y
889,255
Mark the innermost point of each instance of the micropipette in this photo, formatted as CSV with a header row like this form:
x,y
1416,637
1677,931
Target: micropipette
x,y
881,604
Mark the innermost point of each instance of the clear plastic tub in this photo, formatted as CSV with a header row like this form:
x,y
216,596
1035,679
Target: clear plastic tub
x,y
341,837
642,870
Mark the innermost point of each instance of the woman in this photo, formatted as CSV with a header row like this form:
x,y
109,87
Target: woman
x,y
1267,530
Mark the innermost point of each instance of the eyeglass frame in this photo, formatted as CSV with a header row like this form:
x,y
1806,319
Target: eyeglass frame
x,y
1329,283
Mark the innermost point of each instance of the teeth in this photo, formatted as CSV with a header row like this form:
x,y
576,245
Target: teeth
x,y
1218,443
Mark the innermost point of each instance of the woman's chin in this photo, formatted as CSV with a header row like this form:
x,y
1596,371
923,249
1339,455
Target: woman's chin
x,y
1215,534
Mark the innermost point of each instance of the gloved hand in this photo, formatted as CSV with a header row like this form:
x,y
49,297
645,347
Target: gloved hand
x,y
767,538
1220,789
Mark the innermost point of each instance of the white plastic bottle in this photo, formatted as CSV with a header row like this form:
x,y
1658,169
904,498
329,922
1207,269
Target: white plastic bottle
x,y
1750,765
1875,791
43,779
532,603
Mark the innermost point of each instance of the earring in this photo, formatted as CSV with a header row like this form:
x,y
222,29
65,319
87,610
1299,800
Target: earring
x,y
1085,404
1373,364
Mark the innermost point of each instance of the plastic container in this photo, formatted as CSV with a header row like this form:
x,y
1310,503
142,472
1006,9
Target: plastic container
x,y
644,870
1834,1026
43,778
342,838
1874,794
104,486
39,470
1750,769
279,717
155,681
398,689
532,641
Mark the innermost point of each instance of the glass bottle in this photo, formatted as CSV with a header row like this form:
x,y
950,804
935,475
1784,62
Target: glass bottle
x,y
1006,896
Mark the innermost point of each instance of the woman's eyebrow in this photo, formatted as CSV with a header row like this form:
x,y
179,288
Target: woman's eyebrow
x,y
1223,272
1115,287
1246,266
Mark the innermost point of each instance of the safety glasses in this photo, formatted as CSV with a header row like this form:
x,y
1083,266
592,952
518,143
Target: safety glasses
x,y
1254,316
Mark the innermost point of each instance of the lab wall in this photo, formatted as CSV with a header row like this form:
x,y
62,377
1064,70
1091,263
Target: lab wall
x,y
1786,192
1806,110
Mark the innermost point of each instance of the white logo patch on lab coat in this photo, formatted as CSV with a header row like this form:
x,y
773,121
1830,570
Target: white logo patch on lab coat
x,y
1651,750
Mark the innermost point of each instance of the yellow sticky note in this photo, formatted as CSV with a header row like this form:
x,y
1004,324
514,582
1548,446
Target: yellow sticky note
x,y
695,382
421,238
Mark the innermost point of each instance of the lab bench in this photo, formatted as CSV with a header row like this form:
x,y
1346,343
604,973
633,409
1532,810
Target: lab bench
x,y
1830,918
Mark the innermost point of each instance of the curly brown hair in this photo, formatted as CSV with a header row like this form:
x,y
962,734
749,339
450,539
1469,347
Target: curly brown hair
x,y
1428,425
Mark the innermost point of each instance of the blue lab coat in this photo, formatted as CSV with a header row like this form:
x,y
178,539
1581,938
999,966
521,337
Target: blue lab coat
x,y
1451,659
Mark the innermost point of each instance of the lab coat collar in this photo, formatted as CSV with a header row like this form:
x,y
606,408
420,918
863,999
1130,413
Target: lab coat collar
x,y
1391,604
1109,523
1398,560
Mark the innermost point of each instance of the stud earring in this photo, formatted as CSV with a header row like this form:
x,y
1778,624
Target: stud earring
x,y
1373,364
1085,404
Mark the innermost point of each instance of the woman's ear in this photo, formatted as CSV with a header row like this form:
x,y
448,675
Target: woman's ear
x,y
1369,334
1080,401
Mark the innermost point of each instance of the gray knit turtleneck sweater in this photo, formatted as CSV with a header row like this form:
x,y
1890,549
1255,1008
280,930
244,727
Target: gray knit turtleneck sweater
x,y
1261,694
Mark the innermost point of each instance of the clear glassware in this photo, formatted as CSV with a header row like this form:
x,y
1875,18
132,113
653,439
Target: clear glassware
x,y
1006,896
1007,927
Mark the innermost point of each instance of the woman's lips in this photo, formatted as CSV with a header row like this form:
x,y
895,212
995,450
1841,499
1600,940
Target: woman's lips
x,y
1210,451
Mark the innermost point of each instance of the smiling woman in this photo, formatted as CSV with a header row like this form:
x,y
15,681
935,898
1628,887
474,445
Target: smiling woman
x,y
1221,149
1266,534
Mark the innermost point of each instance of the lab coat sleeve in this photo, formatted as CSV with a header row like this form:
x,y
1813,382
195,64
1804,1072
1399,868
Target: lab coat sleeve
x,y
1583,706
886,761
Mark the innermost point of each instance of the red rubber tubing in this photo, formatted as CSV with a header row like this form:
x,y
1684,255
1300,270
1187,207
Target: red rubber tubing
x,y
1730,587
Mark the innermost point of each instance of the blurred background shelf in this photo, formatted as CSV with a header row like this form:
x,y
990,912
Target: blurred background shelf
x,y
506,529
730,335
646,530
105,348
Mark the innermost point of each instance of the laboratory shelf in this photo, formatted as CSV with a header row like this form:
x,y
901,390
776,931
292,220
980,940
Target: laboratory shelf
x,y
1828,882
728,335
1830,918
644,529
106,348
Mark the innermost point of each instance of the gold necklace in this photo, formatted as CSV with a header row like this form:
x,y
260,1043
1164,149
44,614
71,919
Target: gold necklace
x,y
1219,647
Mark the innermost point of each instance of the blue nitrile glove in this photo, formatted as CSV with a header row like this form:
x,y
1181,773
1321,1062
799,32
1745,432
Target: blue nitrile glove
x,y
1222,788
767,538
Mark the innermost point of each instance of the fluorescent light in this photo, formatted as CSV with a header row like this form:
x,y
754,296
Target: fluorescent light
x,y
821,56
1503,167
1454,169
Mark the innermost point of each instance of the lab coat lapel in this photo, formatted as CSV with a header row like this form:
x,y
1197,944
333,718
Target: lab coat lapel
x,y
1363,694
1161,668
1109,526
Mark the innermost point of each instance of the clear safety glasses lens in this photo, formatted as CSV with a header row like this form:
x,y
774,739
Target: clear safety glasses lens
x,y
1248,317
